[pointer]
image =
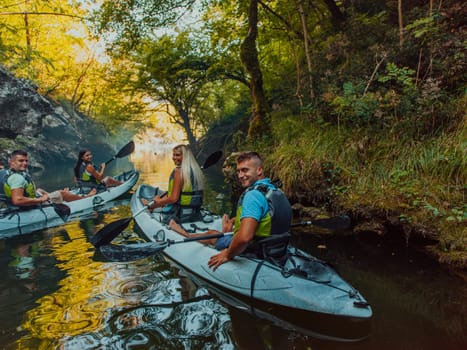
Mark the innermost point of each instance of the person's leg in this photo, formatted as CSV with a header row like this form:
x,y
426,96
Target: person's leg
x,y
70,197
111,182
179,229
227,223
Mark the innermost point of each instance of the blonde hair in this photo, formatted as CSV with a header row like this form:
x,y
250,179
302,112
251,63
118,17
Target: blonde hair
x,y
189,166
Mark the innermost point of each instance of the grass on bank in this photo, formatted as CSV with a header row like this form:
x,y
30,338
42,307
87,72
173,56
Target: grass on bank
x,y
424,181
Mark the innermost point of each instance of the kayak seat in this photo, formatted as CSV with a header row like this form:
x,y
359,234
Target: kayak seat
x,y
148,192
3,202
273,248
125,176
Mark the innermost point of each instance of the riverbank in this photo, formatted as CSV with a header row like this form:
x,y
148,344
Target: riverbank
x,y
411,190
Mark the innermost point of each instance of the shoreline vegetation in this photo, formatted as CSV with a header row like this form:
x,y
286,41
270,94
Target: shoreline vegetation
x,y
416,192
358,107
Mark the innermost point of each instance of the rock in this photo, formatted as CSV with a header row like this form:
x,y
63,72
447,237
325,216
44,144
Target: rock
x,y
50,133
370,227
301,211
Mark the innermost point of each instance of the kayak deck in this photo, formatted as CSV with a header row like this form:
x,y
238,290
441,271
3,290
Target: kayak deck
x,y
304,286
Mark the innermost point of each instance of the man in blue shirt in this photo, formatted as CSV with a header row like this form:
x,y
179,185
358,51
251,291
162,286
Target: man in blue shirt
x,y
254,217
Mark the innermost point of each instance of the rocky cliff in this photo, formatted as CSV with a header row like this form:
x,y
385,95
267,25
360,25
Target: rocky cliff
x,y
49,132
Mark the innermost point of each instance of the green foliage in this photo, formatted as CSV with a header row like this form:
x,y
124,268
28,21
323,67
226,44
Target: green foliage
x,y
126,23
424,28
353,108
401,76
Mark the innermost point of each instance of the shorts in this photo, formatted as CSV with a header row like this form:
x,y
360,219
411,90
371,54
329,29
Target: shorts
x,y
56,197
223,242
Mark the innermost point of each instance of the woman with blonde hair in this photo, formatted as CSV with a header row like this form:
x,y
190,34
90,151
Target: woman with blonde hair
x,y
185,191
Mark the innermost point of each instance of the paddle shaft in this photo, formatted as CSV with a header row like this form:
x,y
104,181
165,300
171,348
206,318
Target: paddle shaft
x,y
124,151
198,238
131,252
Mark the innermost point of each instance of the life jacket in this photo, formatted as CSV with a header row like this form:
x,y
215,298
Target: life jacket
x,y
5,190
188,206
271,237
3,178
277,220
191,198
84,176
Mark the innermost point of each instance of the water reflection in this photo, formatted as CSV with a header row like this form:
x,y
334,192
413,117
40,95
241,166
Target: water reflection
x,y
199,322
55,294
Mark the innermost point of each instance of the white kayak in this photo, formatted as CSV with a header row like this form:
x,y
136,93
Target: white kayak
x,y
304,292
15,221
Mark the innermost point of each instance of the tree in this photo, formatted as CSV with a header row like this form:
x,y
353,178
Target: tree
x,y
176,70
136,20
259,122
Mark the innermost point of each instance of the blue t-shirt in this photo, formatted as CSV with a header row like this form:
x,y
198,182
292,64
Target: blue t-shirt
x,y
254,203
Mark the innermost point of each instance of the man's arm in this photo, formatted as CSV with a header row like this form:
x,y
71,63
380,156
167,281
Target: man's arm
x,y
239,243
18,198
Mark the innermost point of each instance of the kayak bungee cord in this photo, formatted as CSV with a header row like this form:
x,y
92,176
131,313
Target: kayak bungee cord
x,y
43,212
297,271
253,278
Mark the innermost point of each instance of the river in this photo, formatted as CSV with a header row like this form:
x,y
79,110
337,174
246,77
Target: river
x,y
55,292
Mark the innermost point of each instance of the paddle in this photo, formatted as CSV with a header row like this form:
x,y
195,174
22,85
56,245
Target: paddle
x,y
108,233
125,151
130,252
62,210
212,159
340,222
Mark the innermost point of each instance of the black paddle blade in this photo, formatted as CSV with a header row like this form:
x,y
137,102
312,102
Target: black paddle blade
x,y
212,159
340,222
106,234
62,210
131,252
126,150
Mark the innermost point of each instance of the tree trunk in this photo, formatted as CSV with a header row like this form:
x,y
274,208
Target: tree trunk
x,y
301,11
189,132
337,17
182,118
259,122
28,34
401,24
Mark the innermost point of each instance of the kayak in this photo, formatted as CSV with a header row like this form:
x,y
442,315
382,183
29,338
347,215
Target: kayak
x,y
16,221
302,293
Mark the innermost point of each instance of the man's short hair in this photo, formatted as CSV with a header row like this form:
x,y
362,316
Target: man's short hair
x,y
19,152
250,155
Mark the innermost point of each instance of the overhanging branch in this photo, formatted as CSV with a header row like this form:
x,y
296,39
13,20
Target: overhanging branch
x,y
39,14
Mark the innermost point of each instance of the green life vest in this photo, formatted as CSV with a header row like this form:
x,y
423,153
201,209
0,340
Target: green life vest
x,y
191,198
84,176
277,220
5,189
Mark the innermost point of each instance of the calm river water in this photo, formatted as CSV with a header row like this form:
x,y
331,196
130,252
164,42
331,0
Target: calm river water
x,y
56,294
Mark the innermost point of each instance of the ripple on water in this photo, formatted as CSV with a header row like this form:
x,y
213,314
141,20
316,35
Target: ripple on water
x,y
131,286
64,323
186,323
